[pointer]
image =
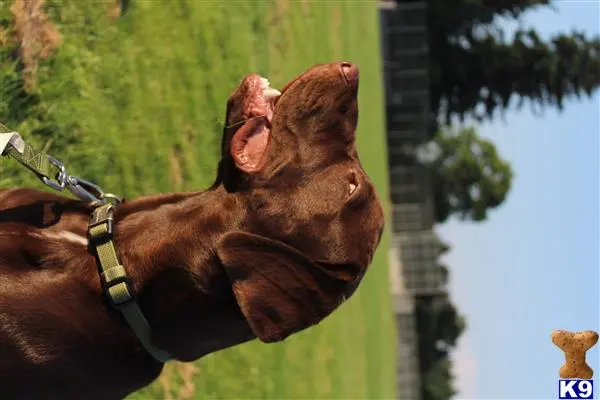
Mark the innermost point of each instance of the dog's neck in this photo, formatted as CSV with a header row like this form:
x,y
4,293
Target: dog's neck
x,y
167,243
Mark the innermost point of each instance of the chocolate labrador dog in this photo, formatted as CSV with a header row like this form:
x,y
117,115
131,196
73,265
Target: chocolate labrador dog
x,y
280,240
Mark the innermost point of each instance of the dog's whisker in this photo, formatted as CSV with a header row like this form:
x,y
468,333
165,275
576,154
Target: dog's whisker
x,y
244,121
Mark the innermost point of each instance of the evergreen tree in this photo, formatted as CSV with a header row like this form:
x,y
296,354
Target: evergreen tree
x,y
475,70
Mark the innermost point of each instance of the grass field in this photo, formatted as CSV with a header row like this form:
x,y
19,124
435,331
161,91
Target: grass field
x,y
137,105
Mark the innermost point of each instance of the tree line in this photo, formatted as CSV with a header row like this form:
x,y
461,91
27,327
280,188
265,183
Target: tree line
x,y
477,73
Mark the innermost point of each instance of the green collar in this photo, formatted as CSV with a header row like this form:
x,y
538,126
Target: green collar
x,y
114,280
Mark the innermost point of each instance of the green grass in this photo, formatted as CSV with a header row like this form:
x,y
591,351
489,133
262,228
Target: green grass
x,y
138,106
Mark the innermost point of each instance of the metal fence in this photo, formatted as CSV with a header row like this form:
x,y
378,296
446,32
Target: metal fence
x,y
415,247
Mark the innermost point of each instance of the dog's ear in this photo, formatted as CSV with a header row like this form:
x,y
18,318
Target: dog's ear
x,y
279,290
249,143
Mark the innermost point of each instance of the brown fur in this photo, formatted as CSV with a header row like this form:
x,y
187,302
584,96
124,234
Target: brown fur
x,y
273,247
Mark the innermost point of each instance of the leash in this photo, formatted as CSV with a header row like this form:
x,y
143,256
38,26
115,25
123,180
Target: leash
x,y
43,166
113,276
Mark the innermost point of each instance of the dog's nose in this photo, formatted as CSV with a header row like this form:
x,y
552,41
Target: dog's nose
x,y
350,72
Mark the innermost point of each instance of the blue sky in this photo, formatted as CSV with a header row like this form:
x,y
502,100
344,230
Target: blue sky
x,y
533,267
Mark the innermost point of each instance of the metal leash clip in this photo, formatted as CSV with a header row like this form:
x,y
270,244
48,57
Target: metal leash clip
x,y
12,144
89,191
82,189
61,176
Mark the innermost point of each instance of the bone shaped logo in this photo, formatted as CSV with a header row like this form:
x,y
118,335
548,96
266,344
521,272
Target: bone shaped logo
x,y
574,345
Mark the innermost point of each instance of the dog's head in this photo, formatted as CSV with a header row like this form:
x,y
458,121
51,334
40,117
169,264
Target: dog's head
x,y
314,218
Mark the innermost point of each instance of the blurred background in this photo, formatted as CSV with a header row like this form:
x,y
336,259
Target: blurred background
x,y
479,124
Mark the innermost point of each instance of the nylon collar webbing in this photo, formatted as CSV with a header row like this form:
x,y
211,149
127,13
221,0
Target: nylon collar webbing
x,y
114,280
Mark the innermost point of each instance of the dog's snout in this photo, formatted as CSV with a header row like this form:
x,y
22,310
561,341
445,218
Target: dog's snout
x,y
350,72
